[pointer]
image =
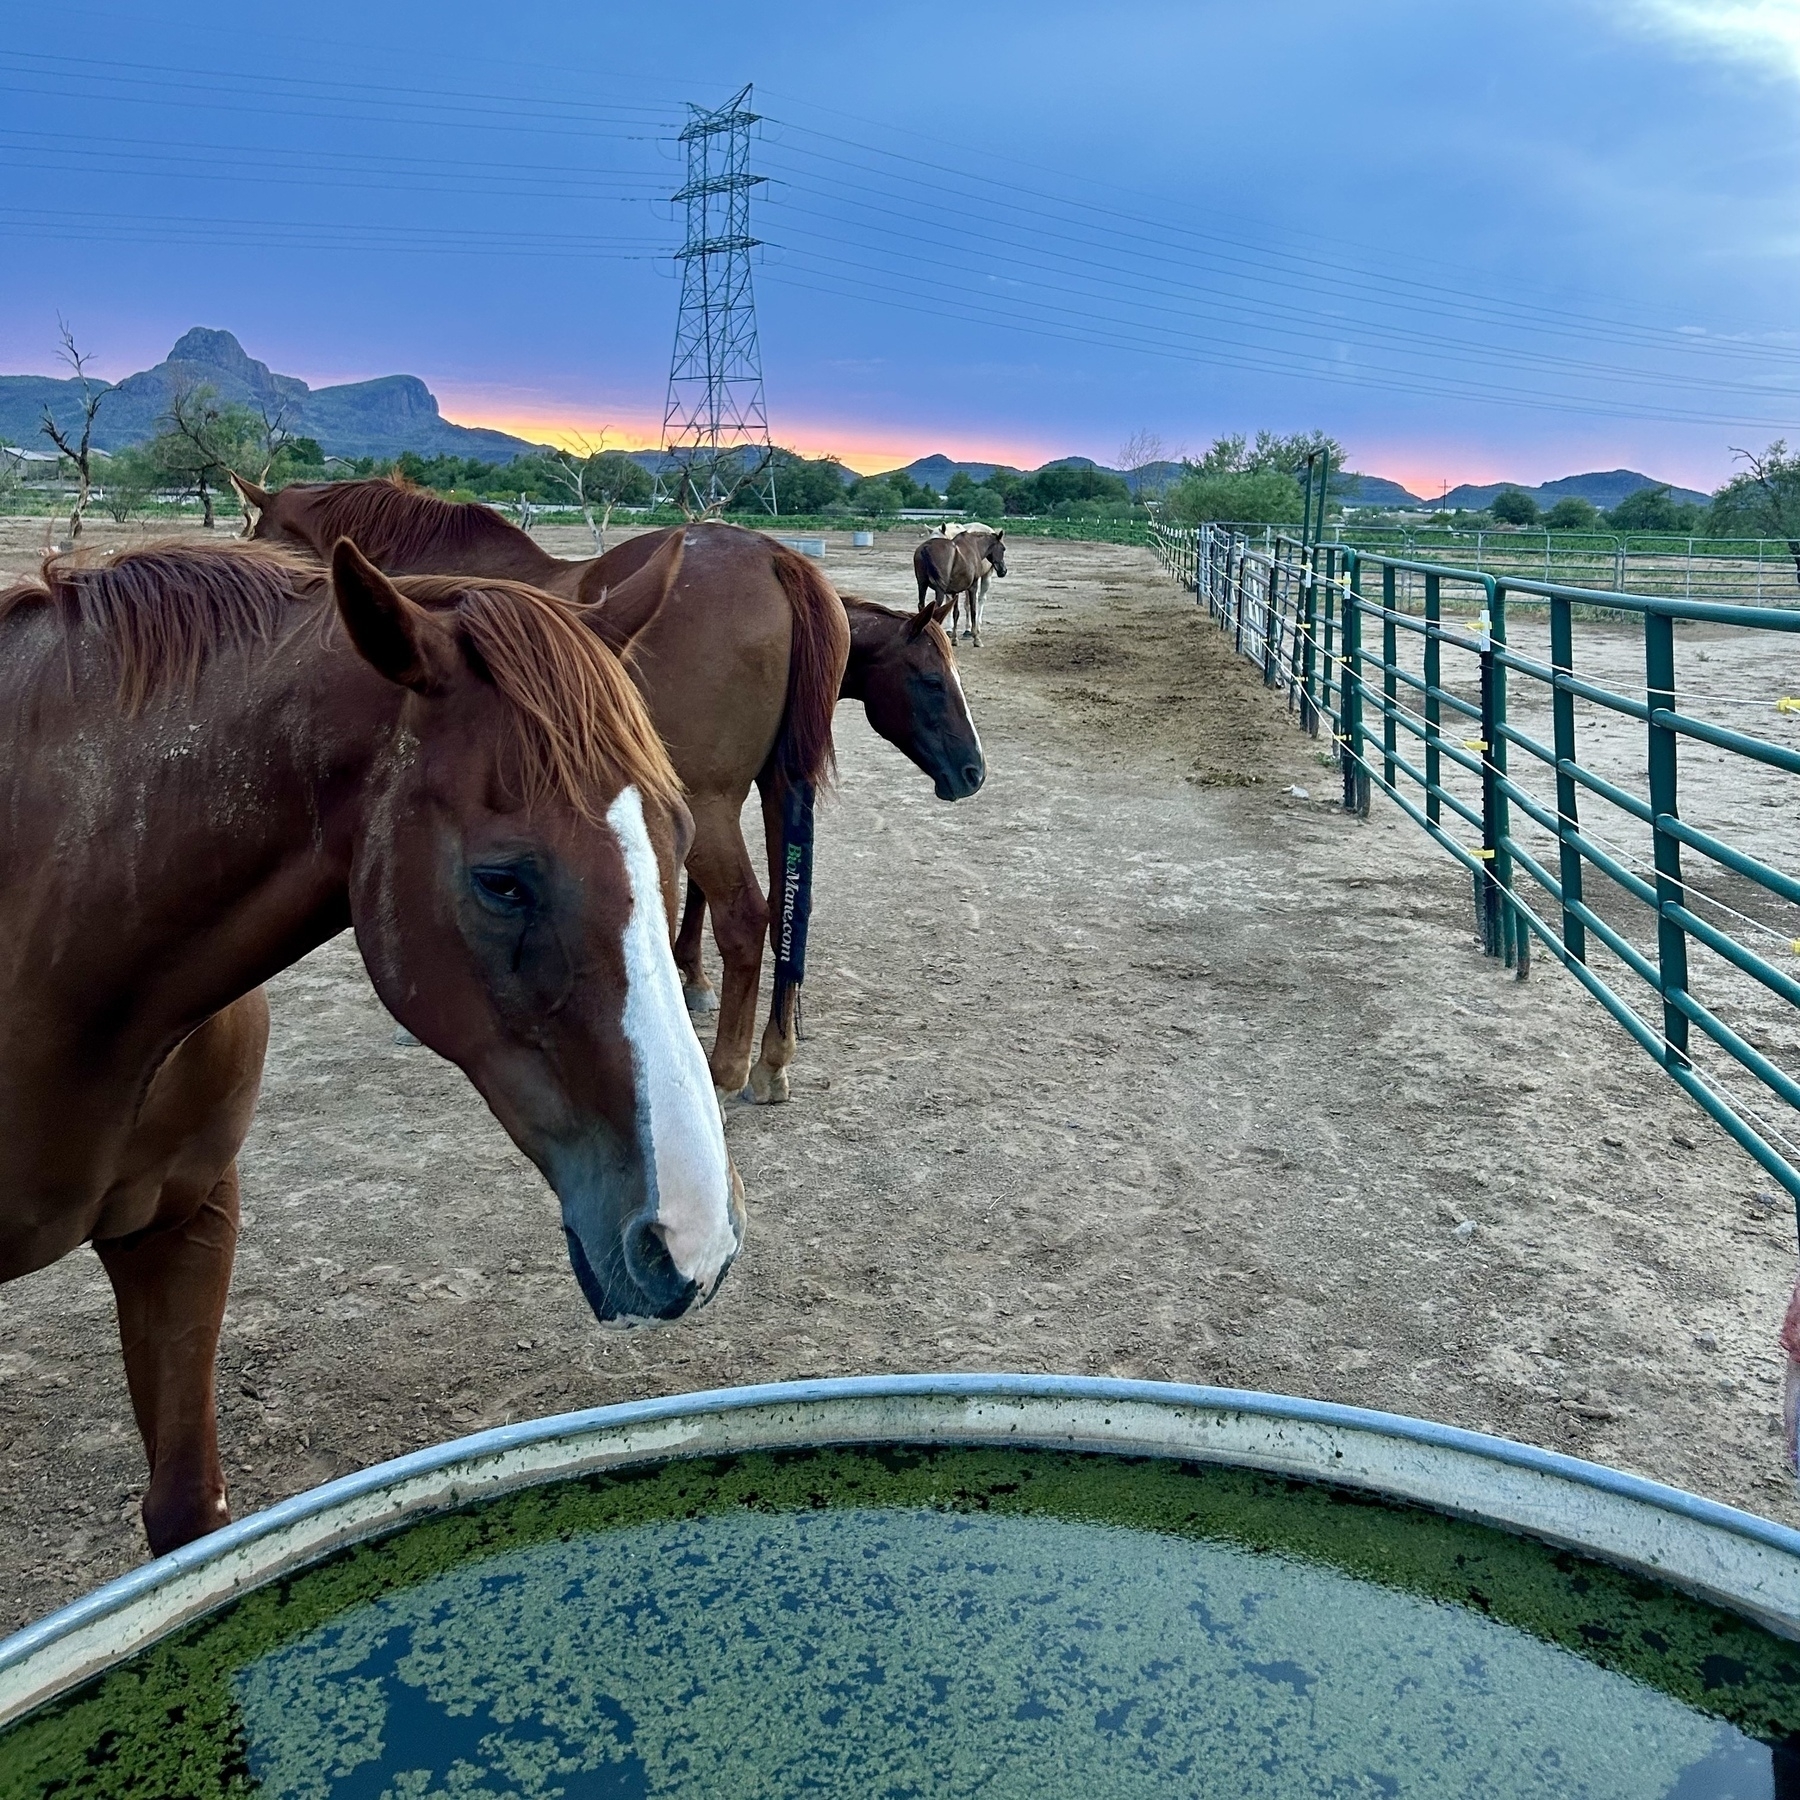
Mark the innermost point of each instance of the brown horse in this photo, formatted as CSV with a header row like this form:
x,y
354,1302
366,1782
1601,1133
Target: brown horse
x,y
953,569
211,761
903,670
740,670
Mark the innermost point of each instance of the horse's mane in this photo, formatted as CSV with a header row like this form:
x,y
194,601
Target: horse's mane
x,y
168,609
932,628
392,523
820,642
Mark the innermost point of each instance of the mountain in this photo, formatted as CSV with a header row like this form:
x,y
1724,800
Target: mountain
x,y
1604,488
935,471
359,418
1371,490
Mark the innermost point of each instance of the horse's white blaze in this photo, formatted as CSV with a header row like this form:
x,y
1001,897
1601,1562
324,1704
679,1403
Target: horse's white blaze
x,y
976,735
680,1134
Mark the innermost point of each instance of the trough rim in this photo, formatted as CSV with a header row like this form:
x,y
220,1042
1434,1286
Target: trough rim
x,y
1733,1559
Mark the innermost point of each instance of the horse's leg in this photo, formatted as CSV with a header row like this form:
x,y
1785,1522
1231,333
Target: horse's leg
x,y
169,1280
169,1284
695,988
769,1079
740,919
977,594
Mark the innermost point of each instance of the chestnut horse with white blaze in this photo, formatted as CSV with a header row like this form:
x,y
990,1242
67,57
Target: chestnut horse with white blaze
x,y
740,670
212,761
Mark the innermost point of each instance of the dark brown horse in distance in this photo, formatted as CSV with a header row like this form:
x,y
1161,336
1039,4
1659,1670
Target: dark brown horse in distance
x,y
212,761
956,569
741,671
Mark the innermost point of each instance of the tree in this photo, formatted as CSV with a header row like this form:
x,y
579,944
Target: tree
x,y
1653,509
1764,501
204,441
1512,506
79,453
273,438
131,478
599,477
299,459
1235,455
802,485
874,497
1241,496
1571,513
962,492
1138,456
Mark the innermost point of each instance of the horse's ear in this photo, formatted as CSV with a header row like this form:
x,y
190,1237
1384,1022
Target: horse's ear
x,y
252,498
620,613
394,636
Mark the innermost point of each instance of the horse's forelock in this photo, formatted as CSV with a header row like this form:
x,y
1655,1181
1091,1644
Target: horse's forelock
x,y
581,725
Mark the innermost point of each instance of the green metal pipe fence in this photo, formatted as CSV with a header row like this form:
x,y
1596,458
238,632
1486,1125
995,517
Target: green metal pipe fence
x,y
1542,736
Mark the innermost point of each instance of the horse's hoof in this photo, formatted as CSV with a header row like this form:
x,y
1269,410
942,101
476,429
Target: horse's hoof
x,y
731,1098
768,1087
404,1037
701,1000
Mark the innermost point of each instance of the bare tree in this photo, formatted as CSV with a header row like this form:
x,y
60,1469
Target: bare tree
x,y
706,485
574,474
275,436
1139,457
80,452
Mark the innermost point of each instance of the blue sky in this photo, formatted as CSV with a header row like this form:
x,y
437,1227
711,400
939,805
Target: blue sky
x,y
1471,242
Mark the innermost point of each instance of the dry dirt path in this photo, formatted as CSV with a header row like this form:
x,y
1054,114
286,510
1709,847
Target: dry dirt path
x,y
1131,1064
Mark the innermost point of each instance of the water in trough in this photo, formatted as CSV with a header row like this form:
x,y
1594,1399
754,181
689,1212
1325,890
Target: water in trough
x,y
938,1622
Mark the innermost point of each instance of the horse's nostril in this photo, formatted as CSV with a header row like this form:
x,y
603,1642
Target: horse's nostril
x,y
653,1269
974,774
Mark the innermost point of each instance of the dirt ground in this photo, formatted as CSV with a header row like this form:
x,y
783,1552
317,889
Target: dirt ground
x,y
1136,1063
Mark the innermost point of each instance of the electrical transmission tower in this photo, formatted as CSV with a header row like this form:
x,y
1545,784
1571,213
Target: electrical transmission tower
x,y
715,436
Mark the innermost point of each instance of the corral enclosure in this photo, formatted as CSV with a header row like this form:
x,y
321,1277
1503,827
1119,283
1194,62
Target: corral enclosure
x,y
1148,1060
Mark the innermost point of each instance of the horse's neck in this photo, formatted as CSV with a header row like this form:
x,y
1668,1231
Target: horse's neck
x,y
866,636
186,854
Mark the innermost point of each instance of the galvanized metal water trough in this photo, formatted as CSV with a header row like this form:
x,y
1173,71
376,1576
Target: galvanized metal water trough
x,y
1748,1565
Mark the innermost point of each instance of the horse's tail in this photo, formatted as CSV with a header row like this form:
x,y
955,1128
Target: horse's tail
x,y
816,657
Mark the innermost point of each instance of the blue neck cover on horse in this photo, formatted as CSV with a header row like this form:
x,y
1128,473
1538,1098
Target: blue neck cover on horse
x,y
794,903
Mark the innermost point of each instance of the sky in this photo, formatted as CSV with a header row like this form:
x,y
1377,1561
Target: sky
x,y
1472,243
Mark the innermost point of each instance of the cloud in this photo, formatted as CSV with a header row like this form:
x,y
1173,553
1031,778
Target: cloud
x,y
1764,32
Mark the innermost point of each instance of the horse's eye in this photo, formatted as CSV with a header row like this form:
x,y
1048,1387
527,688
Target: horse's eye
x,y
502,888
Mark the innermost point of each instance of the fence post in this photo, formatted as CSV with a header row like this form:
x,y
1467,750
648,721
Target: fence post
x,y
1515,934
1271,613
1390,661
1671,940
1568,818
1309,650
1237,610
1488,888
1434,613
1350,731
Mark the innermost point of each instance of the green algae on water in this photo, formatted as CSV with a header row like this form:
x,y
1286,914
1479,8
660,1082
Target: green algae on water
x,y
933,1621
